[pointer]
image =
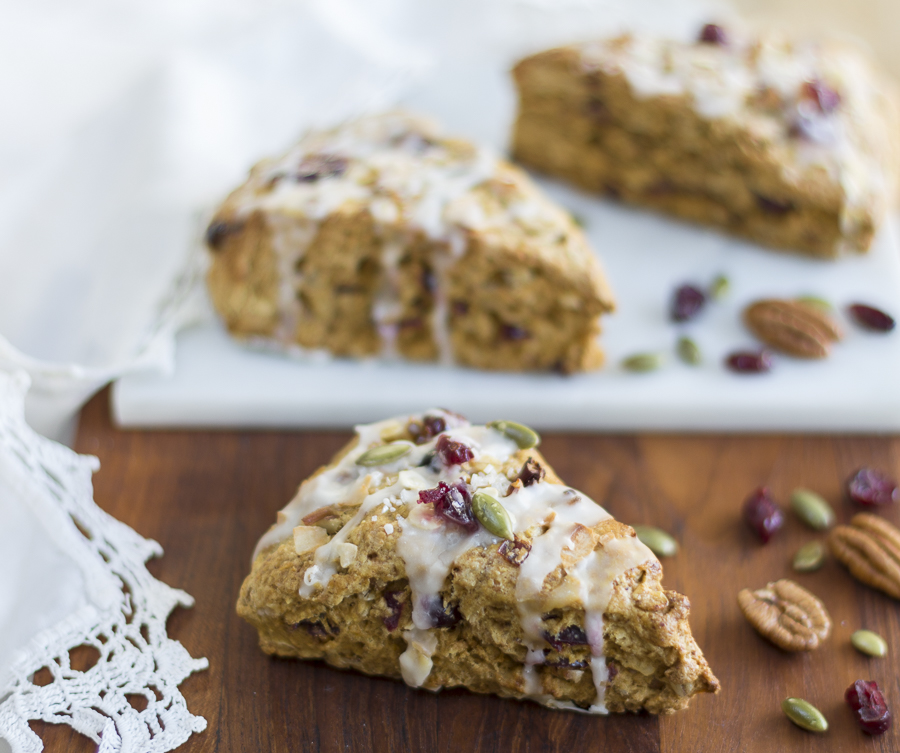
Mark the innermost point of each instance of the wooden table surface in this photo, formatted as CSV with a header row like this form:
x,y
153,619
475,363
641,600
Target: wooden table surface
x,y
206,496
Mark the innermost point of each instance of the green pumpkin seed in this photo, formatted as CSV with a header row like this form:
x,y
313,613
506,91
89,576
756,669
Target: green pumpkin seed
x,y
689,351
809,557
815,302
524,437
719,288
812,509
804,714
384,454
869,643
656,540
643,362
493,515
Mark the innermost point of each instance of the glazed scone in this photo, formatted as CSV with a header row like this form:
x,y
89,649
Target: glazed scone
x,y
791,144
381,237
383,563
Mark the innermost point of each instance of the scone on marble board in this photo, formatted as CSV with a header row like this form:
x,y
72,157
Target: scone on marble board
x,y
792,144
383,237
449,554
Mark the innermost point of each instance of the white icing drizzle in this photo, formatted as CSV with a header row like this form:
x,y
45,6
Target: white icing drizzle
x,y
722,81
554,515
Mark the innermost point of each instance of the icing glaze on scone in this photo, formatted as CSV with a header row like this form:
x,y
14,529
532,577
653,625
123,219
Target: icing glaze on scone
x,y
409,179
553,523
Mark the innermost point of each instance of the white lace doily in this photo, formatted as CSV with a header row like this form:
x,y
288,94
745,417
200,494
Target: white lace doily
x,y
120,612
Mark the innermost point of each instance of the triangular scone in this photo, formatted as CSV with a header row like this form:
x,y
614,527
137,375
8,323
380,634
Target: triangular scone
x,y
383,237
792,144
387,566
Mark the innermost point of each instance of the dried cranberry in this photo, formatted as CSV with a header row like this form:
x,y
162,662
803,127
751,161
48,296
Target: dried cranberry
x,y
613,671
217,232
869,707
460,308
514,333
427,429
441,615
515,552
773,206
568,636
870,487
392,599
687,303
825,98
871,317
317,166
713,34
453,503
452,452
749,361
762,514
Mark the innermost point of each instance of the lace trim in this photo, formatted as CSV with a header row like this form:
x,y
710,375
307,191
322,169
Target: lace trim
x,y
123,625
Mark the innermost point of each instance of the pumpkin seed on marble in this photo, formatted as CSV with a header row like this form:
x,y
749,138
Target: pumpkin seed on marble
x,y
809,557
656,540
689,351
384,454
493,515
815,302
869,643
812,509
719,288
804,714
643,362
524,437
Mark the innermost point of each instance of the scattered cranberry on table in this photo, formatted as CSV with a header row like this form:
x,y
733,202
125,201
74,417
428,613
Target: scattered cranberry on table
x,y
869,707
872,488
687,303
762,514
871,318
750,361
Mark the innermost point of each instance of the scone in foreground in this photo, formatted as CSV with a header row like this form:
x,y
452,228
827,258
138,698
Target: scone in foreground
x,y
384,564
794,145
381,237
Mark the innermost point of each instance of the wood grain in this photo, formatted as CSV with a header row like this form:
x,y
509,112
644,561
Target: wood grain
x,y
207,496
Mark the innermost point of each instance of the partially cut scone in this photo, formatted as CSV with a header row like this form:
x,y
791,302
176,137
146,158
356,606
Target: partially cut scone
x,y
448,554
382,237
793,144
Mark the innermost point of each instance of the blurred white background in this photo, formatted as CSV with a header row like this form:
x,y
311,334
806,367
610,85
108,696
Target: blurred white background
x,y
123,123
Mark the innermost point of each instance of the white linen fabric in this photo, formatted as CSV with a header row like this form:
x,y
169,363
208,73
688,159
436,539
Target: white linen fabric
x,y
83,583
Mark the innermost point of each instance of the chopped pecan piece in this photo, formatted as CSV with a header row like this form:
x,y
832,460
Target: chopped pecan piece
x,y
787,615
870,549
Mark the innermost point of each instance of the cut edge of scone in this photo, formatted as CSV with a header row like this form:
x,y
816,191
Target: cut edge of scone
x,y
788,142
382,237
568,612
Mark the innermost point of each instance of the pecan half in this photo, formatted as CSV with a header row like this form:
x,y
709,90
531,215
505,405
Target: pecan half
x,y
792,327
787,615
870,549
